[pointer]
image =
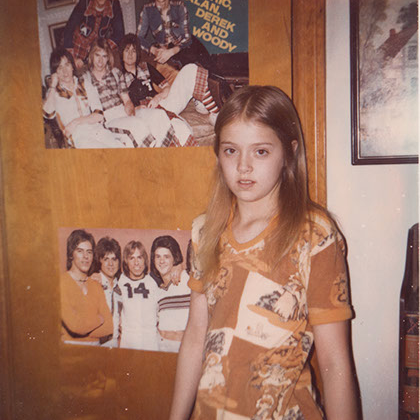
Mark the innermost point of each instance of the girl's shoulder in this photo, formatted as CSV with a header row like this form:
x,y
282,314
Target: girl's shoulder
x,y
197,226
321,230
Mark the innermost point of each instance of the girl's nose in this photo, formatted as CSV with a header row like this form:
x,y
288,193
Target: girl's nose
x,y
244,164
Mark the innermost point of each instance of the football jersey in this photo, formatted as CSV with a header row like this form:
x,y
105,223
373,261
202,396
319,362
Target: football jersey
x,y
139,313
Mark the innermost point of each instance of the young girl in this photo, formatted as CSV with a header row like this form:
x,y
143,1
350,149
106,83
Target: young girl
x,y
269,280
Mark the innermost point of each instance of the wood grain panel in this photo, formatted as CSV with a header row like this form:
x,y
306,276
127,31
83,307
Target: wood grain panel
x,y
308,54
270,43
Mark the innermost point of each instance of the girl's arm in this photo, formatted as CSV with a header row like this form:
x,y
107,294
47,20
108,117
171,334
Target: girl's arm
x,y
190,359
333,349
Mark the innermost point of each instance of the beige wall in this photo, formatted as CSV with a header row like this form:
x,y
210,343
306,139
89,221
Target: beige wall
x,y
376,206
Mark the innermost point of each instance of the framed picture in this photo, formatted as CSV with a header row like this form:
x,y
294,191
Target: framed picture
x,y
49,4
384,79
56,31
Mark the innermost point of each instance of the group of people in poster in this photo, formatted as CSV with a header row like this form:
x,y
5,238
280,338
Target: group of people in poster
x,y
124,299
105,89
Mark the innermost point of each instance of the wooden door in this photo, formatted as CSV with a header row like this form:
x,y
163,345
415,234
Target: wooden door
x,y
42,190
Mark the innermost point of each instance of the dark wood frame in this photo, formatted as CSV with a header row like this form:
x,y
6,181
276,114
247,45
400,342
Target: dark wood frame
x,y
57,3
51,30
356,157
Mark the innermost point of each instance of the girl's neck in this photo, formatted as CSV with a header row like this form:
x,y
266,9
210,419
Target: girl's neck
x,y
250,220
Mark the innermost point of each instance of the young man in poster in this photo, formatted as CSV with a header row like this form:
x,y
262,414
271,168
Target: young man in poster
x,y
107,90
174,297
108,260
167,22
85,315
191,82
139,300
67,101
90,20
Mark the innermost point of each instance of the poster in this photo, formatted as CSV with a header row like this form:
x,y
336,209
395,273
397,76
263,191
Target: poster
x,y
169,96
124,288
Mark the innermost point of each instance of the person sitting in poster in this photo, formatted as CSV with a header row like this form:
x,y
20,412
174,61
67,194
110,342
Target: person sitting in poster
x,y
107,257
90,20
85,316
166,21
107,89
174,299
67,101
191,82
139,300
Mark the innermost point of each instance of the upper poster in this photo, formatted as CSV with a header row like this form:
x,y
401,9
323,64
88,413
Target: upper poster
x,y
132,73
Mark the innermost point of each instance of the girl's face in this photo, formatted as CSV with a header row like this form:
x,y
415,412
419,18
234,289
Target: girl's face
x,y
251,158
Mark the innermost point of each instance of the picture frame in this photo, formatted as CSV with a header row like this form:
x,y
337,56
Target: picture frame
x,y
50,4
56,31
384,87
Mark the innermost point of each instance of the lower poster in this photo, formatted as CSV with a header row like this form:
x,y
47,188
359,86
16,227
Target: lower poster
x,y
124,288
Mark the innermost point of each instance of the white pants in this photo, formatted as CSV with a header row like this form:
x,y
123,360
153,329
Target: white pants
x,y
159,123
94,136
117,118
182,89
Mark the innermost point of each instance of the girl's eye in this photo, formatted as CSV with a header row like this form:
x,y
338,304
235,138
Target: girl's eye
x,y
262,152
230,151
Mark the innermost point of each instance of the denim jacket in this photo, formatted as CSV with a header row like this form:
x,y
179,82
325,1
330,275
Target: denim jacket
x,y
150,19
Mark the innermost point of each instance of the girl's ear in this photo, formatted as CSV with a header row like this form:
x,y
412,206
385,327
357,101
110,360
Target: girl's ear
x,y
294,145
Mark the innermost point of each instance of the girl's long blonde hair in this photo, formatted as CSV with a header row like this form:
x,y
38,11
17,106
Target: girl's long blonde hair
x,y
271,107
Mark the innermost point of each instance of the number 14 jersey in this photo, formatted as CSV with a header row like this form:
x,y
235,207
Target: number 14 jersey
x,y
138,317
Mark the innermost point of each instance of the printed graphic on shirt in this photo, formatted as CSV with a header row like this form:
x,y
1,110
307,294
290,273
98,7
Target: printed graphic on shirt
x,y
260,325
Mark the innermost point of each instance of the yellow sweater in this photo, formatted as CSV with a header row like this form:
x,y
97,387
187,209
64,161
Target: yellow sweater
x,y
85,317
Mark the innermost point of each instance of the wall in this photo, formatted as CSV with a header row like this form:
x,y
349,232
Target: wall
x,y
376,205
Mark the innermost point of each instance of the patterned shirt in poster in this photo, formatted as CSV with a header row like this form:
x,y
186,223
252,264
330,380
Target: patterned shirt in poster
x,y
260,324
110,88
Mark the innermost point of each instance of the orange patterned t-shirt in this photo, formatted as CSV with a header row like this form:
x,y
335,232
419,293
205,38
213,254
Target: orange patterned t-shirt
x,y
260,324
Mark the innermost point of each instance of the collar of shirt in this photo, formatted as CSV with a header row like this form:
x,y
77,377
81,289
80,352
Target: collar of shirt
x,y
103,81
107,10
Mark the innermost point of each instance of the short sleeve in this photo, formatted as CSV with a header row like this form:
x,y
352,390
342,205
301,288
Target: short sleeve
x,y
328,290
195,282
